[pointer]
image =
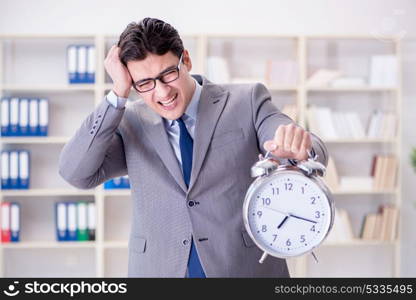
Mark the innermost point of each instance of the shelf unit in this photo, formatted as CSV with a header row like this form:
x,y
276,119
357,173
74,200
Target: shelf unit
x,y
70,104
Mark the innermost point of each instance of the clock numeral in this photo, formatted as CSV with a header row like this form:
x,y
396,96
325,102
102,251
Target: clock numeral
x,y
266,201
303,190
313,200
264,228
259,213
302,238
274,237
317,214
275,191
313,228
288,242
289,186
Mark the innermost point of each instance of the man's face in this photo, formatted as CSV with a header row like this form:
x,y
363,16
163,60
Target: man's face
x,y
169,100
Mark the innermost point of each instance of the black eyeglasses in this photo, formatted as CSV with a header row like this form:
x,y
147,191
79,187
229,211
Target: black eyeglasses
x,y
166,76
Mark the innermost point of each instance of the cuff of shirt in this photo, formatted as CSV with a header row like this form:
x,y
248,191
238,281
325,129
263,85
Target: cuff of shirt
x,y
114,100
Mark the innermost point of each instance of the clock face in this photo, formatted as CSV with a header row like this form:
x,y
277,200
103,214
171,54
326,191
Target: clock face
x,y
288,214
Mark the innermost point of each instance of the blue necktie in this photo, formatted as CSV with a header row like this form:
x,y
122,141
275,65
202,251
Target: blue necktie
x,y
186,144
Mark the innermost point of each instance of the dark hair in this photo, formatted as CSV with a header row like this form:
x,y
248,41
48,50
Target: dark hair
x,y
148,36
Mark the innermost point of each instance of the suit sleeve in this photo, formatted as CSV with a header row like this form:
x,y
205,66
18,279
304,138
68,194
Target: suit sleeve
x,y
267,117
95,153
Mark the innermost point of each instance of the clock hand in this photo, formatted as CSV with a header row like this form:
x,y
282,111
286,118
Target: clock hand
x,y
276,210
297,217
281,223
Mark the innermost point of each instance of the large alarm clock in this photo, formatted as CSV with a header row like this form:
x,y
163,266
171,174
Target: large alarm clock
x,y
288,210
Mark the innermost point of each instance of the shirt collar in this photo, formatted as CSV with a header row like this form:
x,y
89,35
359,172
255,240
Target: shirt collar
x,y
192,108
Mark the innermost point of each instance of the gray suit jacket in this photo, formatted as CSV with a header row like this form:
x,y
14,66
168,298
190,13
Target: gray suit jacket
x,y
233,122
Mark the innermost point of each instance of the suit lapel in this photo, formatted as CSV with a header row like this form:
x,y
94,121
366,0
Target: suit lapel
x,y
211,104
155,131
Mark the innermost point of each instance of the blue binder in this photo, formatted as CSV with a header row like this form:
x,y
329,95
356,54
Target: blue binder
x,y
14,117
5,170
5,116
61,221
34,117
72,64
72,221
24,169
24,117
14,222
43,116
14,169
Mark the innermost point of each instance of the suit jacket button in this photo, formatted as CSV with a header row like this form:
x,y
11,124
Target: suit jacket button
x,y
191,203
185,242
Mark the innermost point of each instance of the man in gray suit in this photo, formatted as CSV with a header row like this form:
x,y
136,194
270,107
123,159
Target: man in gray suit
x,y
187,146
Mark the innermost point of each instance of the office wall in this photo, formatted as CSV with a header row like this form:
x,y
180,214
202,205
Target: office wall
x,y
247,17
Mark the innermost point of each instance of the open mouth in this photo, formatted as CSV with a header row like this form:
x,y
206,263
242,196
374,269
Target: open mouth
x,y
169,103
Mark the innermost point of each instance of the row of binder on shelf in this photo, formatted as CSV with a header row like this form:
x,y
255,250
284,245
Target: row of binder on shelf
x,y
15,169
122,182
81,63
75,221
10,222
24,116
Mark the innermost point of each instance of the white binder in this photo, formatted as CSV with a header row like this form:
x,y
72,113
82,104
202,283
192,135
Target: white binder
x,y
14,116
24,117
34,117
14,169
14,222
72,63
5,116
72,221
91,64
24,169
61,221
5,170
43,117
91,226
82,64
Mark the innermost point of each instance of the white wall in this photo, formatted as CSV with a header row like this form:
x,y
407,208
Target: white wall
x,y
242,16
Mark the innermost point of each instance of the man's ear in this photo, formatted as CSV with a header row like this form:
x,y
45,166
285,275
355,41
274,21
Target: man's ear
x,y
186,58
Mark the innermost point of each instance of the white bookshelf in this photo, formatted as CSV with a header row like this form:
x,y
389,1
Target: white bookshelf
x,y
247,57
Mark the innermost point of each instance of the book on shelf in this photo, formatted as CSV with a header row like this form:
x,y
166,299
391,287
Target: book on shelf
x,y
281,72
382,225
322,77
348,82
334,125
383,71
331,175
341,230
384,172
291,111
382,125
356,183
218,69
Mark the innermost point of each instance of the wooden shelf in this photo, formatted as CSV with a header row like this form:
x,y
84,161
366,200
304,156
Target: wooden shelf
x,y
34,140
364,192
359,242
117,192
351,89
46,192
361,141
50,88
48,245
116,244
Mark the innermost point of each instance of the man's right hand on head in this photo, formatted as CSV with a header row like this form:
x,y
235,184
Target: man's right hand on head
x,y
118,72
